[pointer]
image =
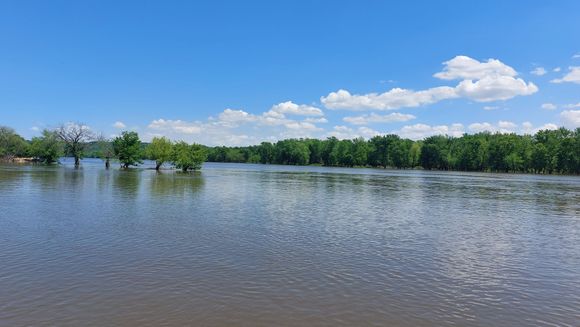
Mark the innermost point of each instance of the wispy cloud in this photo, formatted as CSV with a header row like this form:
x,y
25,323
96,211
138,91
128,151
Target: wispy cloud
x,y
119,125
570,118
573,76
549,106
539,71
374,118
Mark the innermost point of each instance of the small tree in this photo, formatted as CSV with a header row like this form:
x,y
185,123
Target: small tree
x,y
75,137
105,150
47,148
187,156
160,150
127,148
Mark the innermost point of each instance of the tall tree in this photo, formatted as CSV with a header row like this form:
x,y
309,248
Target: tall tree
x,y
127,148
161,150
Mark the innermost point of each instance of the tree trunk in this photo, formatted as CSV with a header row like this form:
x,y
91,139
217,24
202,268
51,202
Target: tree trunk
x,y
77,161
157,166
107,164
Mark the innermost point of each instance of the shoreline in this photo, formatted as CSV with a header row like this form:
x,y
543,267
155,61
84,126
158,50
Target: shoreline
x,y
31,160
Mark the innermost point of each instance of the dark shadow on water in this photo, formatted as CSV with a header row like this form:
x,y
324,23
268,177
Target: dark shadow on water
x,y
126,182
170,183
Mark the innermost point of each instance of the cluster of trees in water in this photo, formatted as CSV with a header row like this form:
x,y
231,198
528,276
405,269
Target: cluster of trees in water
x,y
77,141
546,152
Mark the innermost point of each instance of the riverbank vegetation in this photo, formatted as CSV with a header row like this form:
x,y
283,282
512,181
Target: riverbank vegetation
x,y
546,152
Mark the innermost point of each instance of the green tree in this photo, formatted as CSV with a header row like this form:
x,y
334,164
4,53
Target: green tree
x,y
266,152
186,157
315,147
47,148
430,156
12,144
360,152
344,153
414,154
539,158
328,153
161,150
514,162
292,152
127,149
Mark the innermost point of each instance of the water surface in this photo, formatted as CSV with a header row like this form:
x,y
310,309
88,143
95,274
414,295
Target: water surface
x,y
254,245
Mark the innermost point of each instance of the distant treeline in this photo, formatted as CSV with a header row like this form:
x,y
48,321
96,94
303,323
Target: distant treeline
x,y
546,152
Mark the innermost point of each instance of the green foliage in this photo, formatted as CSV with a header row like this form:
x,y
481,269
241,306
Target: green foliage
x,y
547,152
292,152
186,156
47,148
12,144
161,150
266,153
127,149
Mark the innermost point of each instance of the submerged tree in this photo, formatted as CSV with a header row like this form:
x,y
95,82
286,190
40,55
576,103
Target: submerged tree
x,y
105,150
186,157
75,137
160,150
47,148
127,148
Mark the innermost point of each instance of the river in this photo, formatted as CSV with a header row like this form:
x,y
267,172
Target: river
x,y
259,245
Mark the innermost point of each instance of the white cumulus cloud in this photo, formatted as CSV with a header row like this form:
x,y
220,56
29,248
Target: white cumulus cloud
x,y
291,108
239,127
495,88
393,99
479,81
463,67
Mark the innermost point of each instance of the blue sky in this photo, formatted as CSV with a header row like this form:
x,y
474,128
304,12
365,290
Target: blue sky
x,y
241,72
